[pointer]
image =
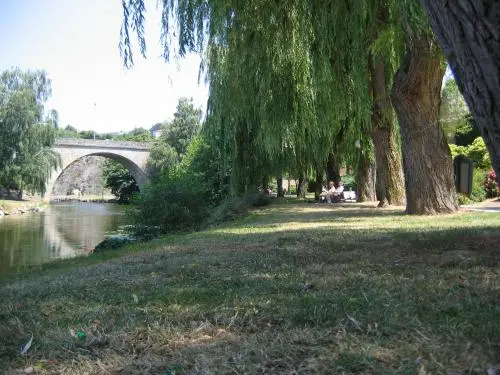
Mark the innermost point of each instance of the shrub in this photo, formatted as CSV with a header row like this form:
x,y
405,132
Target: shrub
x,y
236,207
477,151
180,198
229,209
463,199
490,184
349,182
190,195
478,193
176,202
258,199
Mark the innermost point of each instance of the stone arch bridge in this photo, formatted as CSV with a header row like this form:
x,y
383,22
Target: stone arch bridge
x,y
132,155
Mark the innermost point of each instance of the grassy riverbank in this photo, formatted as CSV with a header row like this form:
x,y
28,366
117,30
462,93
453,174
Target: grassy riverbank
x,y
8,205
290,289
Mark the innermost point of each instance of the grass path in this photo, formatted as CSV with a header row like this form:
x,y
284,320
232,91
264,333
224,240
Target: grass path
x,y
290,289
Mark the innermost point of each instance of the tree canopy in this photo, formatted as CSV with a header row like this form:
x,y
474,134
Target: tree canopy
x,y
185,124
170,148
26,157
453,110
286,78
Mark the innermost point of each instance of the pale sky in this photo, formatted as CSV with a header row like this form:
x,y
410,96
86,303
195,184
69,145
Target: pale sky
x,y
76,42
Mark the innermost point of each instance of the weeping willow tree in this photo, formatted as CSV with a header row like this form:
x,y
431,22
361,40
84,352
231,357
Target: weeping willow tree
x,y
416,96
284,75
26,157
383,61
276,97
468,33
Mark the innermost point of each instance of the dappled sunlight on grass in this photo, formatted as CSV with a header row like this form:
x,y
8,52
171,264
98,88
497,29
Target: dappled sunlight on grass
x,y
294,288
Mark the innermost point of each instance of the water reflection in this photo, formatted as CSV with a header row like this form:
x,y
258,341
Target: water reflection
x,y
61,231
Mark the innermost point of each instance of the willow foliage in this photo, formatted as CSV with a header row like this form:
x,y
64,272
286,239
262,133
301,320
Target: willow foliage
x,y
26,156
283,75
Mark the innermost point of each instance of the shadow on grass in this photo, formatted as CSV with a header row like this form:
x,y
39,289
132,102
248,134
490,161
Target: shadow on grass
x,y
291,291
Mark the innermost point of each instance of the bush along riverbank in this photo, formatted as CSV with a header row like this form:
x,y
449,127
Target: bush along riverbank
x,y
290,288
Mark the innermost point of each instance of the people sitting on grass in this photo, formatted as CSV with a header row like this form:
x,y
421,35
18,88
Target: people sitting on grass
x,y
333,194
323,197
336,195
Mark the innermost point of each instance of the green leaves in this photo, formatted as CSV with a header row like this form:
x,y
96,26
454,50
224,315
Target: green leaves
x,y
186,123
176,135
119,180
285,75
26,157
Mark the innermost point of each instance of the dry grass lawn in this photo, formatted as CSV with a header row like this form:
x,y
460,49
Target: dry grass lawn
x,y
290,289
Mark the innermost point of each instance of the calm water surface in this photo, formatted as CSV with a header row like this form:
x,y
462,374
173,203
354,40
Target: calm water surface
x,y
60,231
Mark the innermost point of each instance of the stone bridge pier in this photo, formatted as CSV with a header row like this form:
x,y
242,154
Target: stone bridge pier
x,y
132,155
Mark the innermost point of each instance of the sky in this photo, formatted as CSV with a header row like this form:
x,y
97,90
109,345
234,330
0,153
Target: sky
x,y
76,43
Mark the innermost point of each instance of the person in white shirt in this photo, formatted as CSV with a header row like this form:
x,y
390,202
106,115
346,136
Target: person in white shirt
x,y
323,197
335,194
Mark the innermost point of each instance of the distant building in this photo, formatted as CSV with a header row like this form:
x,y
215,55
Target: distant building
x,y
156,130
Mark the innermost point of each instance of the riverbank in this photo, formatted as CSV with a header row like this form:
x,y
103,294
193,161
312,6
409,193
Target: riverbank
x,y
292,288
83,199
17,207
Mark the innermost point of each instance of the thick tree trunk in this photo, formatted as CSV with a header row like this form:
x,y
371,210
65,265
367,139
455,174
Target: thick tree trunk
x,y
332,168
302,188
318,184
279,183
365,180
241,178
416,95
390,183
469,33
265,183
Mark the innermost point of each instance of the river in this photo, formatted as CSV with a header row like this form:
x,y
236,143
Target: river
x,y
59,231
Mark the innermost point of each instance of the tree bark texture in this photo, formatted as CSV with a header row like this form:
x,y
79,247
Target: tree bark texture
x,y
241,178
416,96
365,180
302,188
318,184
332,168
279,183
390,184
265,182
469,34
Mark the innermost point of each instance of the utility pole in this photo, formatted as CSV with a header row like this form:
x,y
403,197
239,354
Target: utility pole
x,y
95,117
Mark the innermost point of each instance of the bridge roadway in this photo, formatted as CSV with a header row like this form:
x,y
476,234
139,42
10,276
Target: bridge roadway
x,y
132,155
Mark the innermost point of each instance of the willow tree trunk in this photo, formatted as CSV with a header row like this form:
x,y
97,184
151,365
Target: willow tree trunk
x,y
416,95
279,184
332,168
241,177
318,184
265,183
302,187
469,33
365,180
390,184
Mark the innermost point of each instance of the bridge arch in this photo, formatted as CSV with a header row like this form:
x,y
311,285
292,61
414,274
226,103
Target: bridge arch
x,y
132,155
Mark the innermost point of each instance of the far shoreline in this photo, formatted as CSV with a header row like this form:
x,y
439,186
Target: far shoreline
x,y
12,207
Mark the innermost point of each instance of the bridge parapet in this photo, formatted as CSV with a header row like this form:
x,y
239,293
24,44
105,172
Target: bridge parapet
x,y
132,155
97,143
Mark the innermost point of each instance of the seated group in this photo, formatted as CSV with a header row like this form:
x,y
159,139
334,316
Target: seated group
x,y
334,193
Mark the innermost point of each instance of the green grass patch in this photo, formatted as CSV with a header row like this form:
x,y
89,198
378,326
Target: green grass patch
x,y
290,288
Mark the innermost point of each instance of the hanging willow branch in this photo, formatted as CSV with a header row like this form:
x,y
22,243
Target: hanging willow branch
x,y
283,75
133,17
